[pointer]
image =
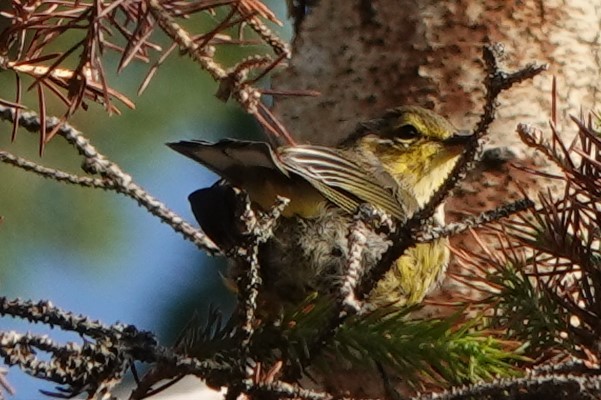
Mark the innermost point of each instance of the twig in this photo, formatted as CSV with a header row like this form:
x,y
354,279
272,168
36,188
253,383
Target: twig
x,y
547,386
281,389
476,220
366,218
259,229
232,82
46,313
102,365
96,364
51,173
4,384
250,283
357,240
278,45
113,177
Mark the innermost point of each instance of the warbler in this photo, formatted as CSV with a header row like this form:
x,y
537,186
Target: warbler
x,y
394,163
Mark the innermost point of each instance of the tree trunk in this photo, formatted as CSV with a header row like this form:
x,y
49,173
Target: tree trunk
x,y
366,56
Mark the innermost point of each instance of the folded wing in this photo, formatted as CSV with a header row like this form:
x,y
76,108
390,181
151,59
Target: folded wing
x,y
342,181
334,176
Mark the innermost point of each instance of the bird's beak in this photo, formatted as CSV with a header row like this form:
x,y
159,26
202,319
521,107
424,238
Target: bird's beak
x,y
459,138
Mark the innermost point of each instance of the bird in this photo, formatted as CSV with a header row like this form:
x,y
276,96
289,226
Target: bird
x,y
393,163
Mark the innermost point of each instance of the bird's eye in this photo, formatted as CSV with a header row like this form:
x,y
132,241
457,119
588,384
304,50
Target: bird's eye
x,y
406,132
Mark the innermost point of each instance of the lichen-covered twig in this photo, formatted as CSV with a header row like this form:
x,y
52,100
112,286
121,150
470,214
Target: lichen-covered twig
x,y
258,229
104,356
51,173
367,218
112,176
473,221
534,386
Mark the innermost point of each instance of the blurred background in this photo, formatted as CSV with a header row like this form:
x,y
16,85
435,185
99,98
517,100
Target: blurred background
x,y
97,253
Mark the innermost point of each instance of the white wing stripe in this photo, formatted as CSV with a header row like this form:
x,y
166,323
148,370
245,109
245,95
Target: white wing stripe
x,y
328,167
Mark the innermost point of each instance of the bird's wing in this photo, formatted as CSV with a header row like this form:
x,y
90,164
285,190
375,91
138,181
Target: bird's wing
x,y
341,181
227,158
254,167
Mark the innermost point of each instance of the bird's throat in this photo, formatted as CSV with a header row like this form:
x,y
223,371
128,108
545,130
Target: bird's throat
x,y
425,187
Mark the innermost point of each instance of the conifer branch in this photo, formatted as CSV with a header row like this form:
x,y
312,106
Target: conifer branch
x,y
100,362
34,27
